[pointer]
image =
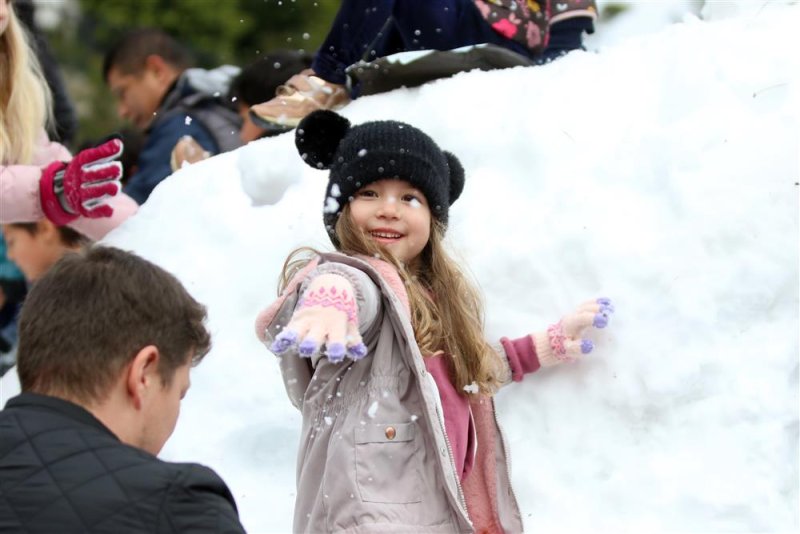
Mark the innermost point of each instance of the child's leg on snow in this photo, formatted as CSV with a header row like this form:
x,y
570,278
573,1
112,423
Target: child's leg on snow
x,y
429,24
354,31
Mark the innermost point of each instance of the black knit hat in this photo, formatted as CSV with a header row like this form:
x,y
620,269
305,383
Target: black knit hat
x,y
365,153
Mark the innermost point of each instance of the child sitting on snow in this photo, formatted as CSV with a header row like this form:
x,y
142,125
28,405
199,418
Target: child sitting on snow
x,y
536,29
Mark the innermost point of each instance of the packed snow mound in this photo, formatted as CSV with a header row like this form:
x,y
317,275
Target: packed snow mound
x,y
661,172
267,170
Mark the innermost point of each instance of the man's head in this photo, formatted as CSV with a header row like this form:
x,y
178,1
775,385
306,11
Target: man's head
x,y
116,334
259,81
140,69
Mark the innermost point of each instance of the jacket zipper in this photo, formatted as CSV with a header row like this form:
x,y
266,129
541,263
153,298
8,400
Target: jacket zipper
x,y
507,453
461,497
421,373
440,420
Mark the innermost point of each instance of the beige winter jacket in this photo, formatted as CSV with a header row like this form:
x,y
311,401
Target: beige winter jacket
x,y
373,453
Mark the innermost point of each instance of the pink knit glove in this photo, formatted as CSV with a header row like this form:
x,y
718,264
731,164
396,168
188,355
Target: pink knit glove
x,y
327,314
82,187
563,342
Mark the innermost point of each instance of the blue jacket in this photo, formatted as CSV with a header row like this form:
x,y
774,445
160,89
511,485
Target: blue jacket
x,y
192,107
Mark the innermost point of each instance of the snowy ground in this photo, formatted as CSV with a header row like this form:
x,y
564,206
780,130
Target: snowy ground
x,y
661,172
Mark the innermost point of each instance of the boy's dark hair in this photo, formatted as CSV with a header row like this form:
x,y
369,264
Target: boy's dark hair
x,y
259,80
130,53
93,311
68,236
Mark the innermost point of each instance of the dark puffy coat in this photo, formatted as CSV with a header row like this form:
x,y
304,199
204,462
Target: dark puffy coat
x,y
62,470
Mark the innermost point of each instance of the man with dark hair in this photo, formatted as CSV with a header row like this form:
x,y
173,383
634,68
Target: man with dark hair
x,y
105,346
150,76
256,83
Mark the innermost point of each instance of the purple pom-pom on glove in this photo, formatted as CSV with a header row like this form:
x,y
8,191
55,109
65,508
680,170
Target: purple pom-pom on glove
x,y
600,320
283,341
606,309
307,348
335,352
357,351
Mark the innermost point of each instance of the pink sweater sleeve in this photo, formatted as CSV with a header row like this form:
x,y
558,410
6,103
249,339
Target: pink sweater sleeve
x,y
19,193
521,354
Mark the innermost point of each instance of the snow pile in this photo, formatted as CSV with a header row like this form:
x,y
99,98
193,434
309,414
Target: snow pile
x,y
661,172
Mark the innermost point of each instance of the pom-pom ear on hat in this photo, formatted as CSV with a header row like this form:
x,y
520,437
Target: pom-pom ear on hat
x,y
318,136
456,176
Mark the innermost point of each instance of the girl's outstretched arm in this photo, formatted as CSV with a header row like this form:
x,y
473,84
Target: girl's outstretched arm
x,y
561,342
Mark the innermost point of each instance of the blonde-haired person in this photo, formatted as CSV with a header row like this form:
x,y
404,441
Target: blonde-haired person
x,y
39,178
382,347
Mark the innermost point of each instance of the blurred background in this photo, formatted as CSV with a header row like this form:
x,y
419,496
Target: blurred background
x,y
216,31
225,31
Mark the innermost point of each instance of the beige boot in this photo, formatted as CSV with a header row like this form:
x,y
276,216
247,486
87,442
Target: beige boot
x,y
303,93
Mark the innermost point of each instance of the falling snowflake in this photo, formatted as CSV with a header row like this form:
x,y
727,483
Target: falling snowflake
x,y
472,388
372,410
331,205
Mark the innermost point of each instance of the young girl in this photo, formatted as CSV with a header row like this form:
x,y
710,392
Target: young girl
x,y
39,178
381,347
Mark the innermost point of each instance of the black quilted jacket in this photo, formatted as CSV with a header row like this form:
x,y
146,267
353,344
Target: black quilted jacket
x,y
62,471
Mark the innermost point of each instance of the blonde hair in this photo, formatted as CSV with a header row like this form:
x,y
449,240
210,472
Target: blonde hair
x,y
446,307
25,99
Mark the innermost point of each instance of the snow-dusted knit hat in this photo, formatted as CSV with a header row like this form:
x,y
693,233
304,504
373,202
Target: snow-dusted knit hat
x,y
365,153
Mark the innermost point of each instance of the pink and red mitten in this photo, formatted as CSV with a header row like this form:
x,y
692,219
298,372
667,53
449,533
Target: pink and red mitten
x,y
83,186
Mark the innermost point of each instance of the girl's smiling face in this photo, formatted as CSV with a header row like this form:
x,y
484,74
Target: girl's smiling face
x,y
395,215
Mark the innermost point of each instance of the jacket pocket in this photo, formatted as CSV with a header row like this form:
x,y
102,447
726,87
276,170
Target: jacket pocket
x,y
387,463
